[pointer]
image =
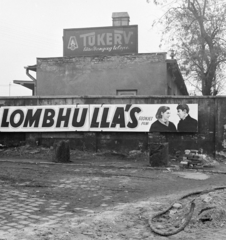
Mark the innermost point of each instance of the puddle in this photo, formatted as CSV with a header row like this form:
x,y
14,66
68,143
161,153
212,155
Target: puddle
x,y
191,175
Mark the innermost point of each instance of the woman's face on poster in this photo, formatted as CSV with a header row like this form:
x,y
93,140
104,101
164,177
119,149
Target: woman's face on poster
x,y
166,115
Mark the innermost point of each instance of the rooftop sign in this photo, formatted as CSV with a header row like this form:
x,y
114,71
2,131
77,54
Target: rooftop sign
x,y
100,41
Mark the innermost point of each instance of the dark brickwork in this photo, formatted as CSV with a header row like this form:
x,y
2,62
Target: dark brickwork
x,y
211,136
159,154
61,152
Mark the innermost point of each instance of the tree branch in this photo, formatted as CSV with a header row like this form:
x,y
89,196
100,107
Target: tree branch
x,y
204,8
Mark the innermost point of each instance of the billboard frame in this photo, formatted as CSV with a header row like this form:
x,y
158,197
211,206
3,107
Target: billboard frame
x,y
102,28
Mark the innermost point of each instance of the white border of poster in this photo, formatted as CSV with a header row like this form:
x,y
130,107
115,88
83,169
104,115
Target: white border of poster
x,y
99,117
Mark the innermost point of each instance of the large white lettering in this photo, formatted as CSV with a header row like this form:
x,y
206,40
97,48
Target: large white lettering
x,y
88,35
127,37
100,39
118,37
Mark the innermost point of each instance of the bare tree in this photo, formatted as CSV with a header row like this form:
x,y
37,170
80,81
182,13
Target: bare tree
x,y
196,30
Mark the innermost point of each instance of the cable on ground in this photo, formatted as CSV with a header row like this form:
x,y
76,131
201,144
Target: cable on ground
x,y
187,217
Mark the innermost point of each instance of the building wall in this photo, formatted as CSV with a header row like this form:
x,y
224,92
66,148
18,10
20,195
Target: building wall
x,y
211,134
172,87
146,73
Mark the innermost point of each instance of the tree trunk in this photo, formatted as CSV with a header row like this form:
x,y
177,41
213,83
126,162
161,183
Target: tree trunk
x,y
206,86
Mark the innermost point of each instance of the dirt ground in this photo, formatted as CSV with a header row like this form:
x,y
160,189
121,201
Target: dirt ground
x,y
111,196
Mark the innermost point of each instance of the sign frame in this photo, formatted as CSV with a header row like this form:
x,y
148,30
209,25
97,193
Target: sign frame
x,y
99,118
71,40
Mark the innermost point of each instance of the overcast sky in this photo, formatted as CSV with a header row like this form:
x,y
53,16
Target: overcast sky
x,y
34,28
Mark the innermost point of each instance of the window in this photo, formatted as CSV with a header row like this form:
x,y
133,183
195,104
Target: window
x,y
130,92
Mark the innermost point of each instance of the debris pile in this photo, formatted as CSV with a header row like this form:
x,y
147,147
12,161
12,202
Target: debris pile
x,y
196,158
25,151
202,210
210,211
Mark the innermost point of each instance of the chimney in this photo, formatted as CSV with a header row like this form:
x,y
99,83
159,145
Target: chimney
x,y
120,19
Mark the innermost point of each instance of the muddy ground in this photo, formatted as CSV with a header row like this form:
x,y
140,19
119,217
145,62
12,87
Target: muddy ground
x,y
112,196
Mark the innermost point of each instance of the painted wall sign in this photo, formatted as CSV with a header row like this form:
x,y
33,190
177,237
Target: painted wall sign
x,y
105,117
100,41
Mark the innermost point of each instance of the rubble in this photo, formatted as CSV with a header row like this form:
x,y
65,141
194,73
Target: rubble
x,y
26,151
209,212
177,205
2,146
196,159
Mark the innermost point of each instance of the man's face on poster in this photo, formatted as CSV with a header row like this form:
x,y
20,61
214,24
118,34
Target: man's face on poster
x,y
181,114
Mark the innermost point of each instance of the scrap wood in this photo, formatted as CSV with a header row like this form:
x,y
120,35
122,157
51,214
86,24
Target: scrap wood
x,y
187,217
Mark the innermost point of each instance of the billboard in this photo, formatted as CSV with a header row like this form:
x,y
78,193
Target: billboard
x,y
100,41
100,117
144,118
44,118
